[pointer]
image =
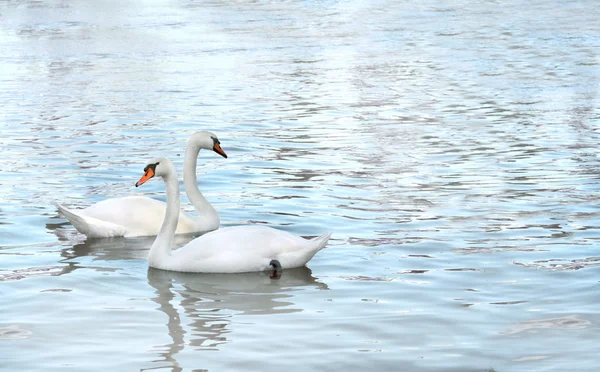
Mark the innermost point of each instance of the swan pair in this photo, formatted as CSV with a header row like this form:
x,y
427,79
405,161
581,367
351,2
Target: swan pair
x,y
132,216
227,250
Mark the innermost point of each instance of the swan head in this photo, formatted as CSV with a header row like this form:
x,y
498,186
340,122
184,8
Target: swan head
x,y
161,167
207,140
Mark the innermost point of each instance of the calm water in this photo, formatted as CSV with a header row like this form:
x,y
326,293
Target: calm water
x,y
451,148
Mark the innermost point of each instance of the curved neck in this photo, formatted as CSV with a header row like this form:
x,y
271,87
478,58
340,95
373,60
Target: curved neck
x,y
206,211
161,248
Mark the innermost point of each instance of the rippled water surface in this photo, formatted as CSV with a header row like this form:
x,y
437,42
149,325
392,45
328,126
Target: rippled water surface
x,y
450,147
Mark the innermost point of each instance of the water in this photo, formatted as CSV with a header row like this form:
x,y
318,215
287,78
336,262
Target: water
x,y
451,148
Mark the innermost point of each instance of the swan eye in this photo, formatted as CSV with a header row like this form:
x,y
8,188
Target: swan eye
x,y
215,140
151,166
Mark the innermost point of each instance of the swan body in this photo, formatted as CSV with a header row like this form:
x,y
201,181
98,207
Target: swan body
x,y
128,216
229,250
132,216
242,249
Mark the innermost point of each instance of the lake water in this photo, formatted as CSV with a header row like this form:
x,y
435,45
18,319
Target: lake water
x,y
450,147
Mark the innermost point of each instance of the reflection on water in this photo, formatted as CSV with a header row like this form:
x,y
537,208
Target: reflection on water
x,y
13,333
202,306
533,326
109,249
77,252
561,264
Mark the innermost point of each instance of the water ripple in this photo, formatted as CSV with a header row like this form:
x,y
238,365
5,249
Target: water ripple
x,y
452,149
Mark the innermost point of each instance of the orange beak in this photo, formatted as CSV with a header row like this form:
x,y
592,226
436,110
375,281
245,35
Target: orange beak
x,y
217,148
149,174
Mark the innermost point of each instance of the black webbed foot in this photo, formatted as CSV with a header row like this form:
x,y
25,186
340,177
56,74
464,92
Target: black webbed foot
x,y
277,269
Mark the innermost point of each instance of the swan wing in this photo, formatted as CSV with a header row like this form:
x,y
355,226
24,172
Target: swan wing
x,y
128,216
245,249
90,226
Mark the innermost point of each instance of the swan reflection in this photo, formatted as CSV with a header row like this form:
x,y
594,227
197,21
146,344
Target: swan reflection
x,y
78,252
98,254
110,249
107,249
200,307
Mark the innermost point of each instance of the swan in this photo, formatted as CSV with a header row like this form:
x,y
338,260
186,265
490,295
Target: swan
x,y
234,249
136,215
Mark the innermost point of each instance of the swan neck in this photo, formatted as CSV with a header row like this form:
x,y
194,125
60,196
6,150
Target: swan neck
x,y
161,249
190,183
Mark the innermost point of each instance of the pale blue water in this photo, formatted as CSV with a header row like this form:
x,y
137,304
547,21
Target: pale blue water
x,y
451,148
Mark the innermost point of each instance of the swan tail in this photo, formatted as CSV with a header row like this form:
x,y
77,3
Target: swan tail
x,y
300,257
322,240
75,219
91,227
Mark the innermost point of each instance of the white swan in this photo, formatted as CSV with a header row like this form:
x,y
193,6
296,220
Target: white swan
x,y
228,250
142,216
